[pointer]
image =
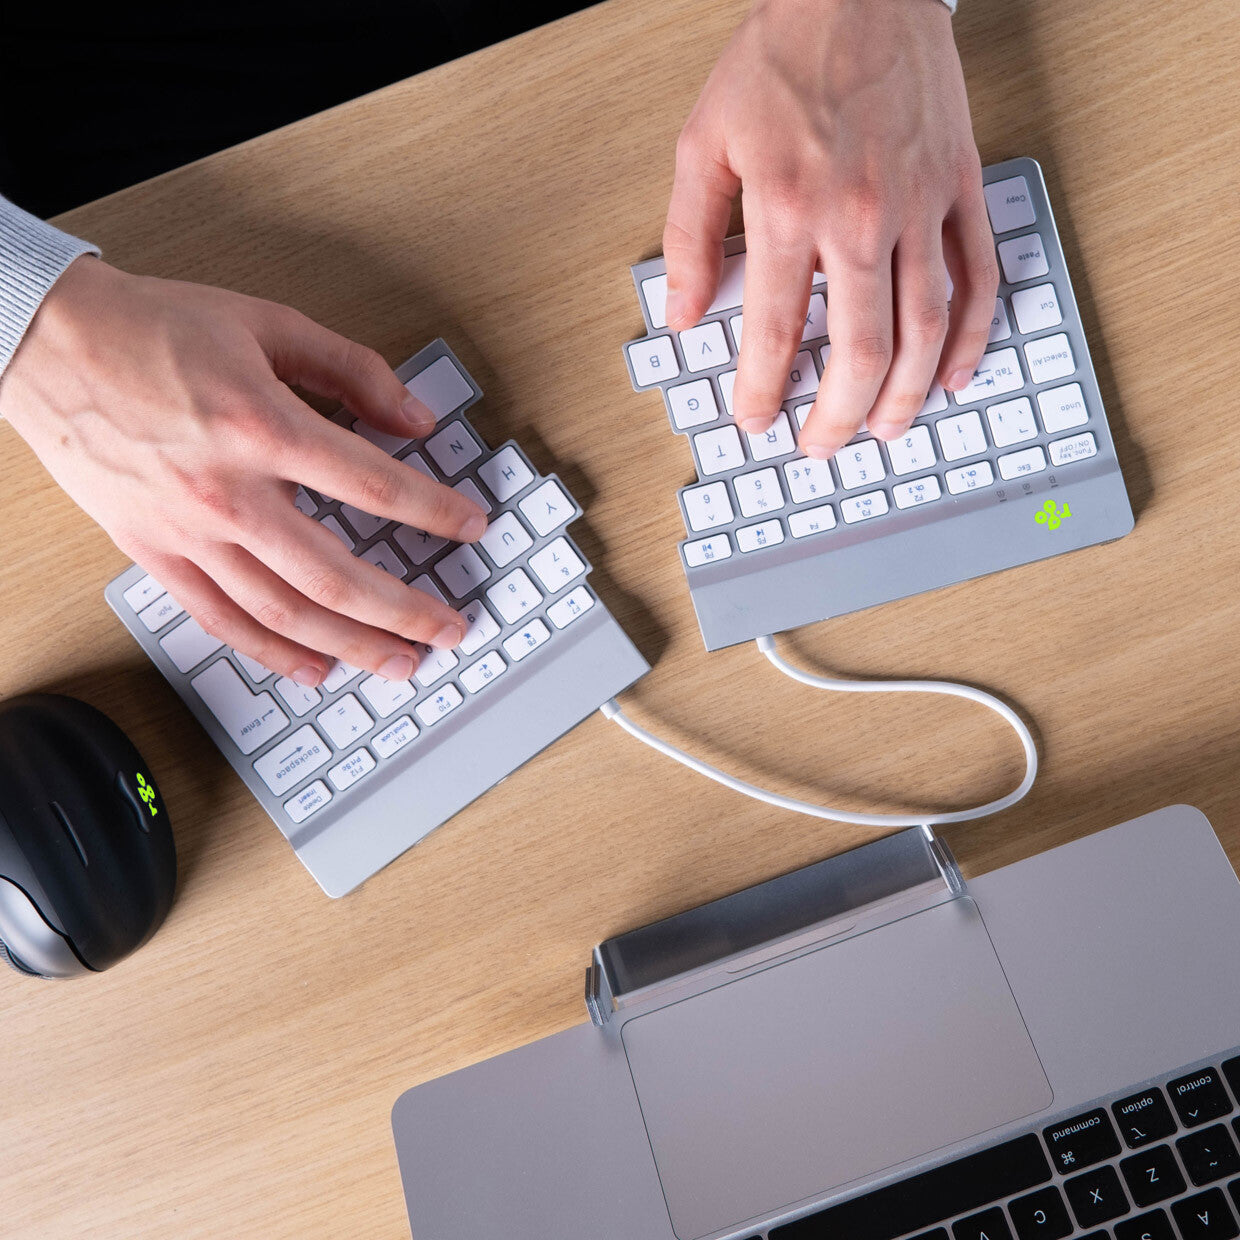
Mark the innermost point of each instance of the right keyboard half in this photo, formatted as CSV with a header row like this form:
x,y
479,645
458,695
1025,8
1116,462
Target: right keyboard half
x,y
1017,467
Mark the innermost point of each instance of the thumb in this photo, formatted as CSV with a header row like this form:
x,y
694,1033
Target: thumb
x,y
307,354
697,222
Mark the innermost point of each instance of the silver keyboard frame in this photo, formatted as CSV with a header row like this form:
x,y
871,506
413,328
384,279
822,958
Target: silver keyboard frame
x,y
455,760
905,552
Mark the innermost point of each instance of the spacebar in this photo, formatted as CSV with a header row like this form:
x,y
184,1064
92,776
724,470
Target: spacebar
x,y
919,1202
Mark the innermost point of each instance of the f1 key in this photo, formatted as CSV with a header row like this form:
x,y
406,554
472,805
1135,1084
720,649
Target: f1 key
x,y
1081,1141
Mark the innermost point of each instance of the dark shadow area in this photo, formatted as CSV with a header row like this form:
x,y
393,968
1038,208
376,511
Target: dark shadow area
x,y
112,96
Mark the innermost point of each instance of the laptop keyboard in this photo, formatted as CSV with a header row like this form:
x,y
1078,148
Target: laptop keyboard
x,y
1016,467
1158,1163
541,653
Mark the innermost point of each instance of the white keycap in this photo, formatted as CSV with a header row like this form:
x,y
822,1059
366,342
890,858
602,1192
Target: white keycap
x,y
346,773
345,721
815,318
1000,328
824,355
453,448
339,675
426,584
547,507
654,294
250,719
859,464
461,570
731,285
801,413
816,520
1036,308
1017,464
440,387
1023,258
737,324
443,703
418,545
391,444
506,474
775,441
300,806
765,534
165,608
395,736
997,372
303,503
472,491
525,640
758,493
863,507
961,435
300,699
1077,448
1011,421
188,644
969,477
808,480
802,378
707,550
911,451
936,401
692,404
435,664
727,381
386,697
331,522
252,667
505,539
719,450
1050,358
363,524
143,591
383,556
911,494
514,595
1009,205
414,461
556,564
478,675
289,761
707,507
572,605
704,347
482,627
653,360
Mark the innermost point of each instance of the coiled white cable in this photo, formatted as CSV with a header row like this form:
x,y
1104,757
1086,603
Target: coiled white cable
x,y
611,710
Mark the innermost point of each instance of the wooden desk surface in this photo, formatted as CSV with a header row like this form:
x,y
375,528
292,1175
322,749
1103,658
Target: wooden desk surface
x,y
234,1079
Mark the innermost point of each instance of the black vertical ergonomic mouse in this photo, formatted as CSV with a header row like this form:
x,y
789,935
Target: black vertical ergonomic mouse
x,y
87,862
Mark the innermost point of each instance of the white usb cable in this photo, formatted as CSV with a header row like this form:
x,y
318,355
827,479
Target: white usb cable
x,y
767,645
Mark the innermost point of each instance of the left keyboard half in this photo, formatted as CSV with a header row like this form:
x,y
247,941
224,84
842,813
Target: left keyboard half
x,y
359,769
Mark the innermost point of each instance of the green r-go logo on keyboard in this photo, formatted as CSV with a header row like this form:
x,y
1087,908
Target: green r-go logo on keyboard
x,y
1051,515
147,792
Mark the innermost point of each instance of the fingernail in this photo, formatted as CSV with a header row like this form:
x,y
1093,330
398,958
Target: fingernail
x,y
960,378
886,430
447,637
815,451
307,676
754,426
419,417
473,529
674,308
398,667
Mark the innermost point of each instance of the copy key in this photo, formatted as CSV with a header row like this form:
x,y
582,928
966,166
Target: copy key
x,y
1081,1141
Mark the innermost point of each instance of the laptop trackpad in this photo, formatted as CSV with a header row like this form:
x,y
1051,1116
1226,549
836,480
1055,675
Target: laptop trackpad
x,y
822,1070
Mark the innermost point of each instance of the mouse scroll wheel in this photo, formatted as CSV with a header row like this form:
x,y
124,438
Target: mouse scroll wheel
x,y
142,797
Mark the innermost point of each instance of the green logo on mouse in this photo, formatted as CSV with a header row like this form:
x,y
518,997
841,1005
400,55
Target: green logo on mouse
x,y
147,793
1051,515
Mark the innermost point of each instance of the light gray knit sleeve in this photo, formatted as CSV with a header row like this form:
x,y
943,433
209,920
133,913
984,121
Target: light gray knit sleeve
x,y
32,257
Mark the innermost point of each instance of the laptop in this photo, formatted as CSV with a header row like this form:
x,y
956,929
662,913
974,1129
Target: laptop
x,y
872,1048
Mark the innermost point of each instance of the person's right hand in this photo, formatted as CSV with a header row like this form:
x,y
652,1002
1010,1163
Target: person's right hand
x,y
164,410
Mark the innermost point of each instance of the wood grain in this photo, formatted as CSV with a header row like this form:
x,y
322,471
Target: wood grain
x,y
234,1079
